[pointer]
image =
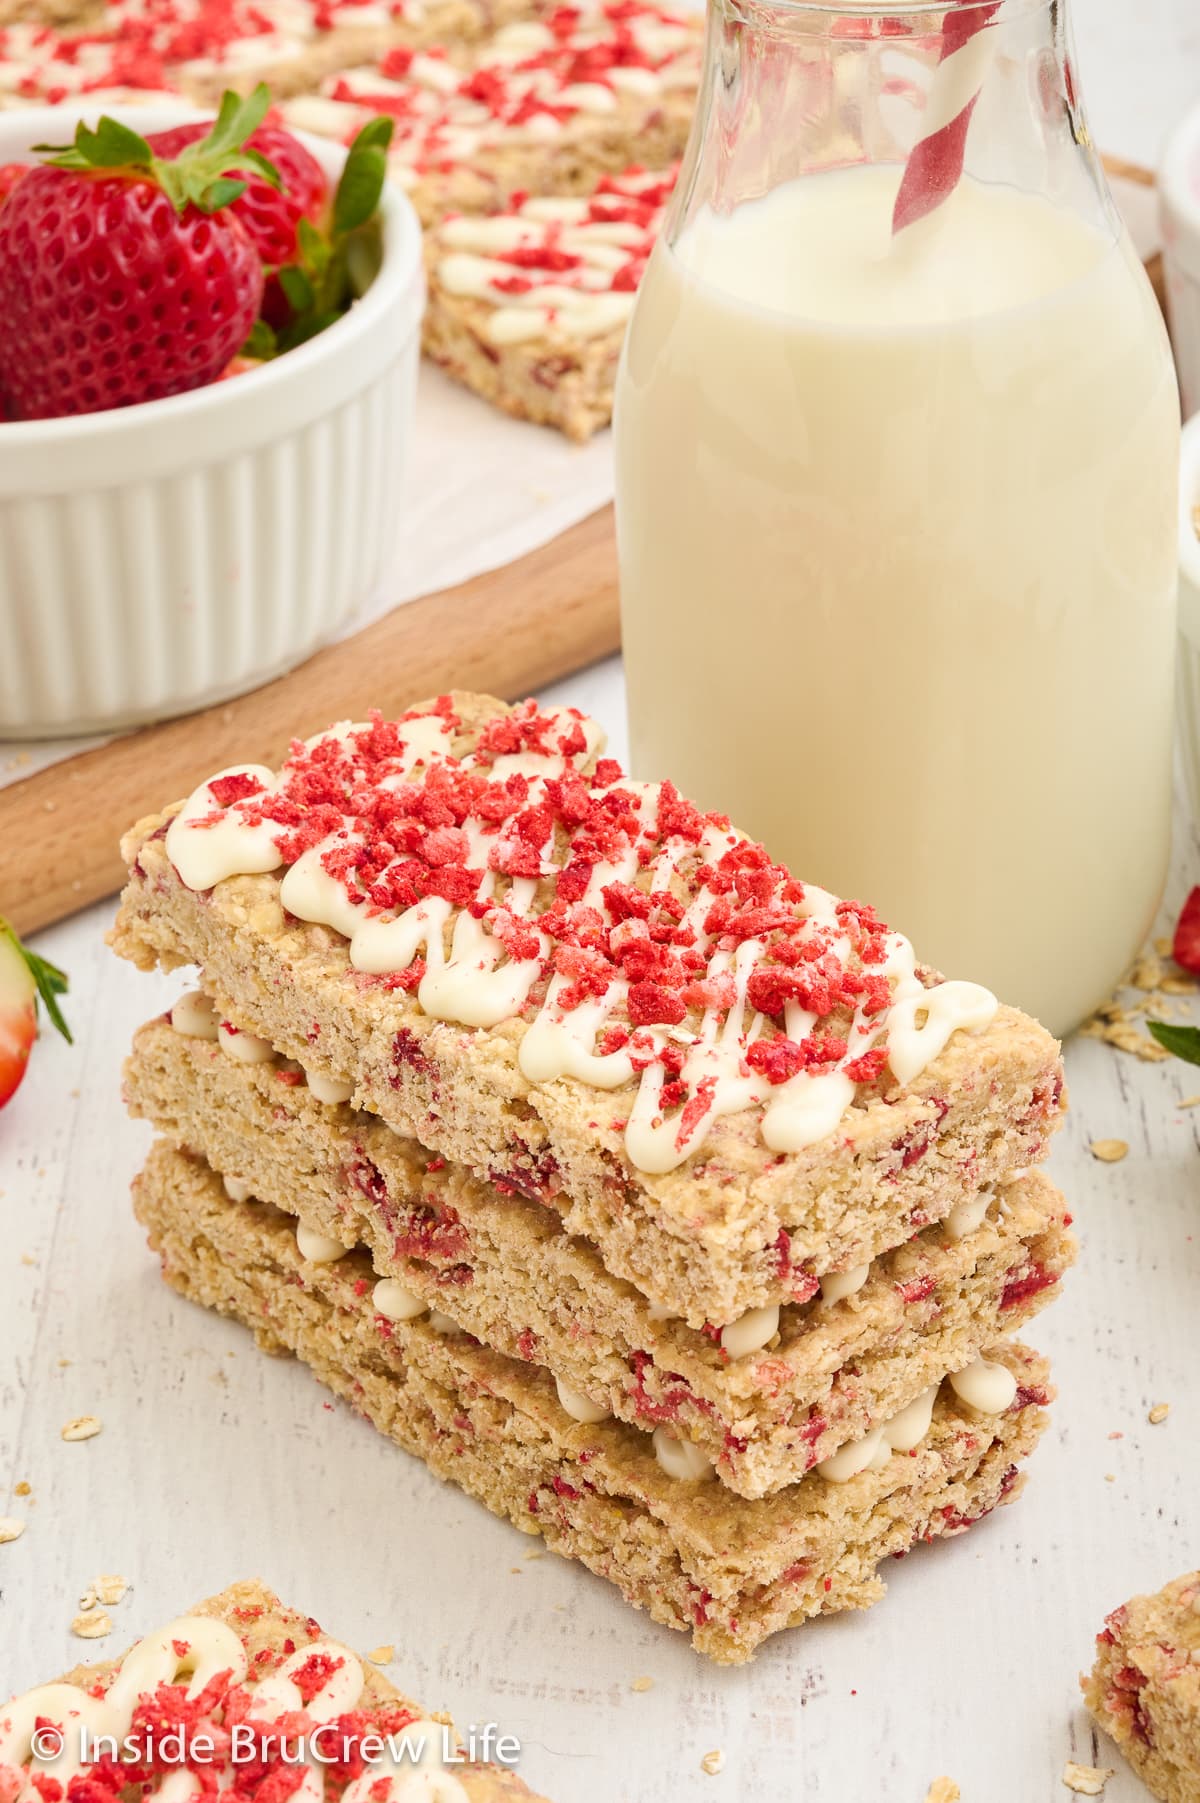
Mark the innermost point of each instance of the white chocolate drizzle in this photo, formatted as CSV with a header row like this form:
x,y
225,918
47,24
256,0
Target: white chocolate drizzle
x,y
567,268
524,89
199,1651
478,965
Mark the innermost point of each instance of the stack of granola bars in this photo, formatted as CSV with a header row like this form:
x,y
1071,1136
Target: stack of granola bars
x,y
502,110
663,1201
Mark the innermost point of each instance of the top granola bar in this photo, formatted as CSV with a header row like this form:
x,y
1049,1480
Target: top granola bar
x,y
571,981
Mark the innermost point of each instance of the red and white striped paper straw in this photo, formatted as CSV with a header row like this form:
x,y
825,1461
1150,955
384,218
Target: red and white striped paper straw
x,y
935,163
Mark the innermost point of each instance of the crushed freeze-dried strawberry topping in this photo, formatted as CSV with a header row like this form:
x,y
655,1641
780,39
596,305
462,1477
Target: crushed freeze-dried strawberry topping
x,y
170,1730
570,65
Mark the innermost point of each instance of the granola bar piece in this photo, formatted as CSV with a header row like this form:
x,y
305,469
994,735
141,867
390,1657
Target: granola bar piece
x,y
239,1658
545,106
636,1510
766,1398
529,307
584,989
1144,1689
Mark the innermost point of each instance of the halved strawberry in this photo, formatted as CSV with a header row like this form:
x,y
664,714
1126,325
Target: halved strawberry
x,y
1186,948
24,980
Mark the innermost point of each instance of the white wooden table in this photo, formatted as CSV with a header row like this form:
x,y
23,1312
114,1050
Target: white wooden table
x,y
215,1463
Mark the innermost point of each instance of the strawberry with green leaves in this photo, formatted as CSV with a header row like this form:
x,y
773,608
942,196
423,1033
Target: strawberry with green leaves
x,y
126,276
25,979
270,211
335,267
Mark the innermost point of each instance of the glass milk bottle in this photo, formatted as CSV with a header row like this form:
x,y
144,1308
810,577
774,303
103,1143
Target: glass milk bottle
x,y
897,440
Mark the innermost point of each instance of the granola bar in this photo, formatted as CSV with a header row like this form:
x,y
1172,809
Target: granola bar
x,y
529,307
634,1510
238,1659
545,106
583,988
1144,1689
765,1399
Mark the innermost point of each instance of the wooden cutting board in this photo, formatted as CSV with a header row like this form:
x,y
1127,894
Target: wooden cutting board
x,y
506,633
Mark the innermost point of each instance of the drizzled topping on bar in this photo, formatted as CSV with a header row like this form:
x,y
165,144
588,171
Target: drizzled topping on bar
x,y
536,81
152,44
234,1717
639,940
567,265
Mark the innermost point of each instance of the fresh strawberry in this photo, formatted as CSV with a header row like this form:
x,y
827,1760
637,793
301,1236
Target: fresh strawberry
x,y
1186,948
24,978
269,214
125,277
10,175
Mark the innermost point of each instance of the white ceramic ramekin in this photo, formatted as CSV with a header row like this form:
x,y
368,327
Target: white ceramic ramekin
x,y
1189,615
1179,195
154,559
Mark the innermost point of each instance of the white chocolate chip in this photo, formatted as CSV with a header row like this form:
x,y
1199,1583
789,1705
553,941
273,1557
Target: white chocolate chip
x,y
659,1312
82,1427
236,1190
751,1332
1086,1780
680,1459
246,1048
10,1529
328,1089
578,1406
985,1385
910,1426
394,1302
967,1217
836,1284
442,1323
848,1461
194,1016
318,1248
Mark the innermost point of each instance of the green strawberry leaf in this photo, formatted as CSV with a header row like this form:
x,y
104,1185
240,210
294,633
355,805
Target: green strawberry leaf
x,y
1181,1042
237,118
221,193
111,146
363,176
262,343
264,165
297,289
49,980
364,258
